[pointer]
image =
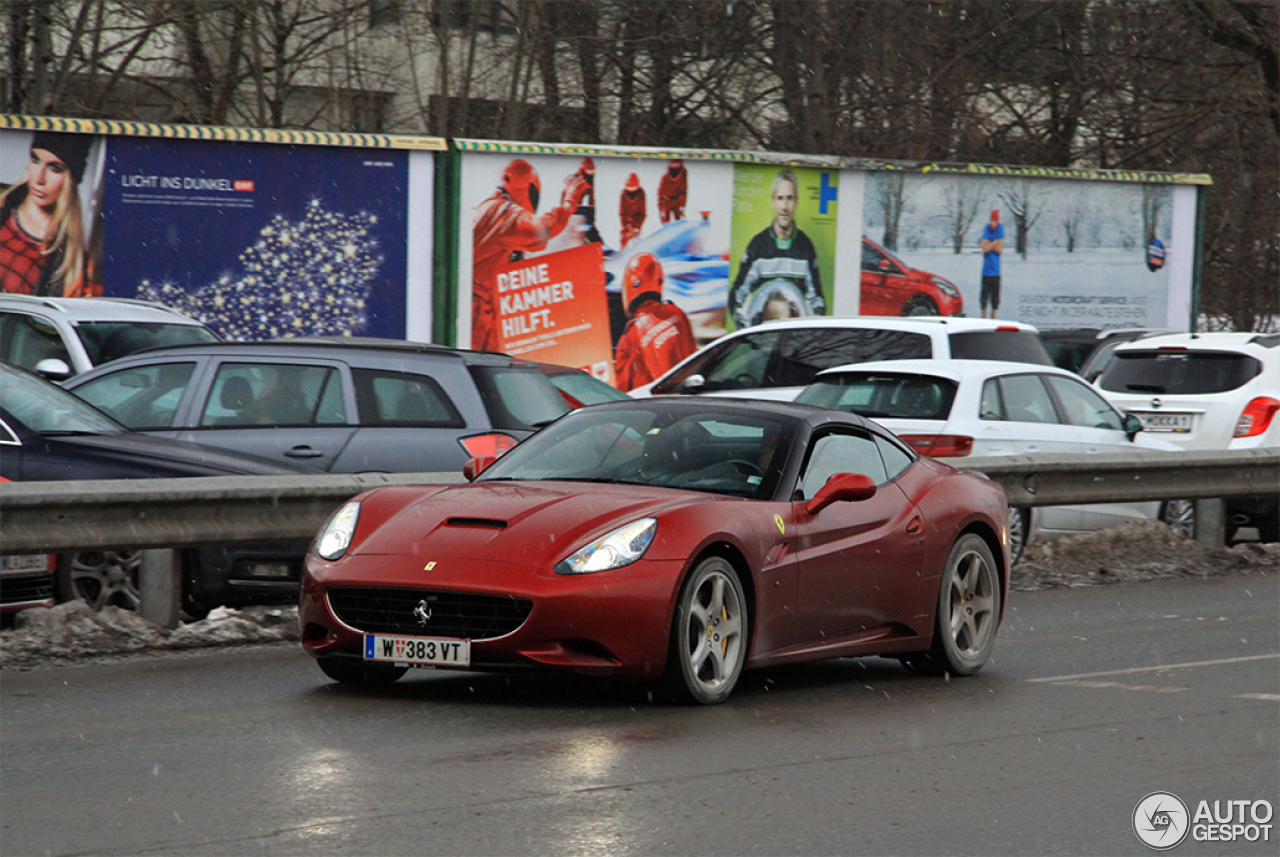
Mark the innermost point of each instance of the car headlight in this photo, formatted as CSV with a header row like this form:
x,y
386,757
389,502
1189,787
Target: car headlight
x,y
621,547
335,538
946,288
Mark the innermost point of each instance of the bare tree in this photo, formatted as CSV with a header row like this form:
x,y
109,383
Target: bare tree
x,y
1021,198
961,210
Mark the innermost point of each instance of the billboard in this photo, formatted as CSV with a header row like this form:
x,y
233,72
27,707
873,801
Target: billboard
x,y
256,239
1075,253
547,239
783,247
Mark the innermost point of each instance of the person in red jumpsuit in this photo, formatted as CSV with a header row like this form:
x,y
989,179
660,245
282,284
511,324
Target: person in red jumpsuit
x,y
505,228
658,335
672,190
632,210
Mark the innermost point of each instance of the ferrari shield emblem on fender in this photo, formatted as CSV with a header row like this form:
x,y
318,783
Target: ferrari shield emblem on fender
x,y
782,527
429,566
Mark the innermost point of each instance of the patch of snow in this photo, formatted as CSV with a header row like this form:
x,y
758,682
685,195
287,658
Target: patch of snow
x,y
72,632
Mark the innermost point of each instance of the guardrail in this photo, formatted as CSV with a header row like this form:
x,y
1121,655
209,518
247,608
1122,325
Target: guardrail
x,y
149,514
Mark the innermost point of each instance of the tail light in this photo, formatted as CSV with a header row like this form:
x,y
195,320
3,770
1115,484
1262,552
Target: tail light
x,y
939,445
1256,416
487,444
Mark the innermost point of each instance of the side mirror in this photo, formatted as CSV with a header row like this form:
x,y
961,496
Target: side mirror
x,y
885,266
53,369
841,487
475,466
1132,425
693,384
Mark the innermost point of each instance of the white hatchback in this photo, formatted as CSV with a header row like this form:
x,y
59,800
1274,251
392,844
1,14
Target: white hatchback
x,y
1205,391
955,408
776,359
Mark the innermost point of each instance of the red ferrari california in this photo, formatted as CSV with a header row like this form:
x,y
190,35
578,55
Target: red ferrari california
x,y
680,539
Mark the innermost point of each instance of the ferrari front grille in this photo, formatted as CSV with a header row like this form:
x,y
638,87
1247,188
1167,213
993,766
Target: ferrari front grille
x,y
423,613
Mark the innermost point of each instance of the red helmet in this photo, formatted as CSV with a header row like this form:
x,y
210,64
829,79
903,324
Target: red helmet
x,y
520,181
633,182
642,275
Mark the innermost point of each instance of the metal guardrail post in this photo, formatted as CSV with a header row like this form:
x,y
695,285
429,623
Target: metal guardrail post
x,y
1211,522
160,585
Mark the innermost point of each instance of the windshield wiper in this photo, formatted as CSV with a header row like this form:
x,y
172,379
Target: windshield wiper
x,y
1146,388
75,433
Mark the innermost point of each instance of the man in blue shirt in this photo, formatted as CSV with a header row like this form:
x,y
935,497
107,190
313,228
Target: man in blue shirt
x,y
992,247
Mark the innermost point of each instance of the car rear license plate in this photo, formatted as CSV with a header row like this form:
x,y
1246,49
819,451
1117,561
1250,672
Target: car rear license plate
x,y
1165,422
27,562
417,651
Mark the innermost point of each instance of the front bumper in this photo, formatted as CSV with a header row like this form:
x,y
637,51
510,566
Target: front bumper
x,y
614,623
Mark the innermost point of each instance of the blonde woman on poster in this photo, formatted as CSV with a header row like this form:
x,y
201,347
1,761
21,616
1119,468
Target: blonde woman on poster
x,y
42,243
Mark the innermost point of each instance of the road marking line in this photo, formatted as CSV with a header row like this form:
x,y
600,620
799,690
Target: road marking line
x,y
1269,697
1132,670
1151,688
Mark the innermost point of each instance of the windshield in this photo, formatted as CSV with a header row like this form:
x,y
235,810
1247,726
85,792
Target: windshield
x,y
518,398
715,450
1178,372
916,397
47,409
111,340
1018,346
586,389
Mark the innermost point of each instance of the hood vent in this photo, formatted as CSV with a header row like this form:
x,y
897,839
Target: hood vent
x,y
486,523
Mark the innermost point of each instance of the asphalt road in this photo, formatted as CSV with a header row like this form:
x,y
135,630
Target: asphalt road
x,y
1096,698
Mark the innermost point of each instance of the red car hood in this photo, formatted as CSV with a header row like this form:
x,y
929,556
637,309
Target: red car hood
x,y
524,523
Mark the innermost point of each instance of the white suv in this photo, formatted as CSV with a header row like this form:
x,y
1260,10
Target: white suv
x,y
61,337
776,359
1205,391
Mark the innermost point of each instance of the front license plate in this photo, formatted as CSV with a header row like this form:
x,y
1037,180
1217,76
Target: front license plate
x,y
27,562
1165,422
423,651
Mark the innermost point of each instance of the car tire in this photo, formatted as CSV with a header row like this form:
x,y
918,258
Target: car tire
x,y
920,305
709,634
1180,516
100,578
1019,529
349,670
968,612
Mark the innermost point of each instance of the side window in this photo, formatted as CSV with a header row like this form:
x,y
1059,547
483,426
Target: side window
x,y
1082,406
871,258
742,364
143,397
992,407
28,339
841,453
1026,400
403,399
896,459
805,351
275,394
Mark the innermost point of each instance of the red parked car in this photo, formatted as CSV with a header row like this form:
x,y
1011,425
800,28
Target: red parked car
x,y
682,539
891,287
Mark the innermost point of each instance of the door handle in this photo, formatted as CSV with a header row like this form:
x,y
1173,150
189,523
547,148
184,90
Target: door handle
x,y
914,526
303,452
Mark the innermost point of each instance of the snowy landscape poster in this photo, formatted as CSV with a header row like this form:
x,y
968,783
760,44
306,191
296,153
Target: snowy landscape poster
x,y
1076,253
